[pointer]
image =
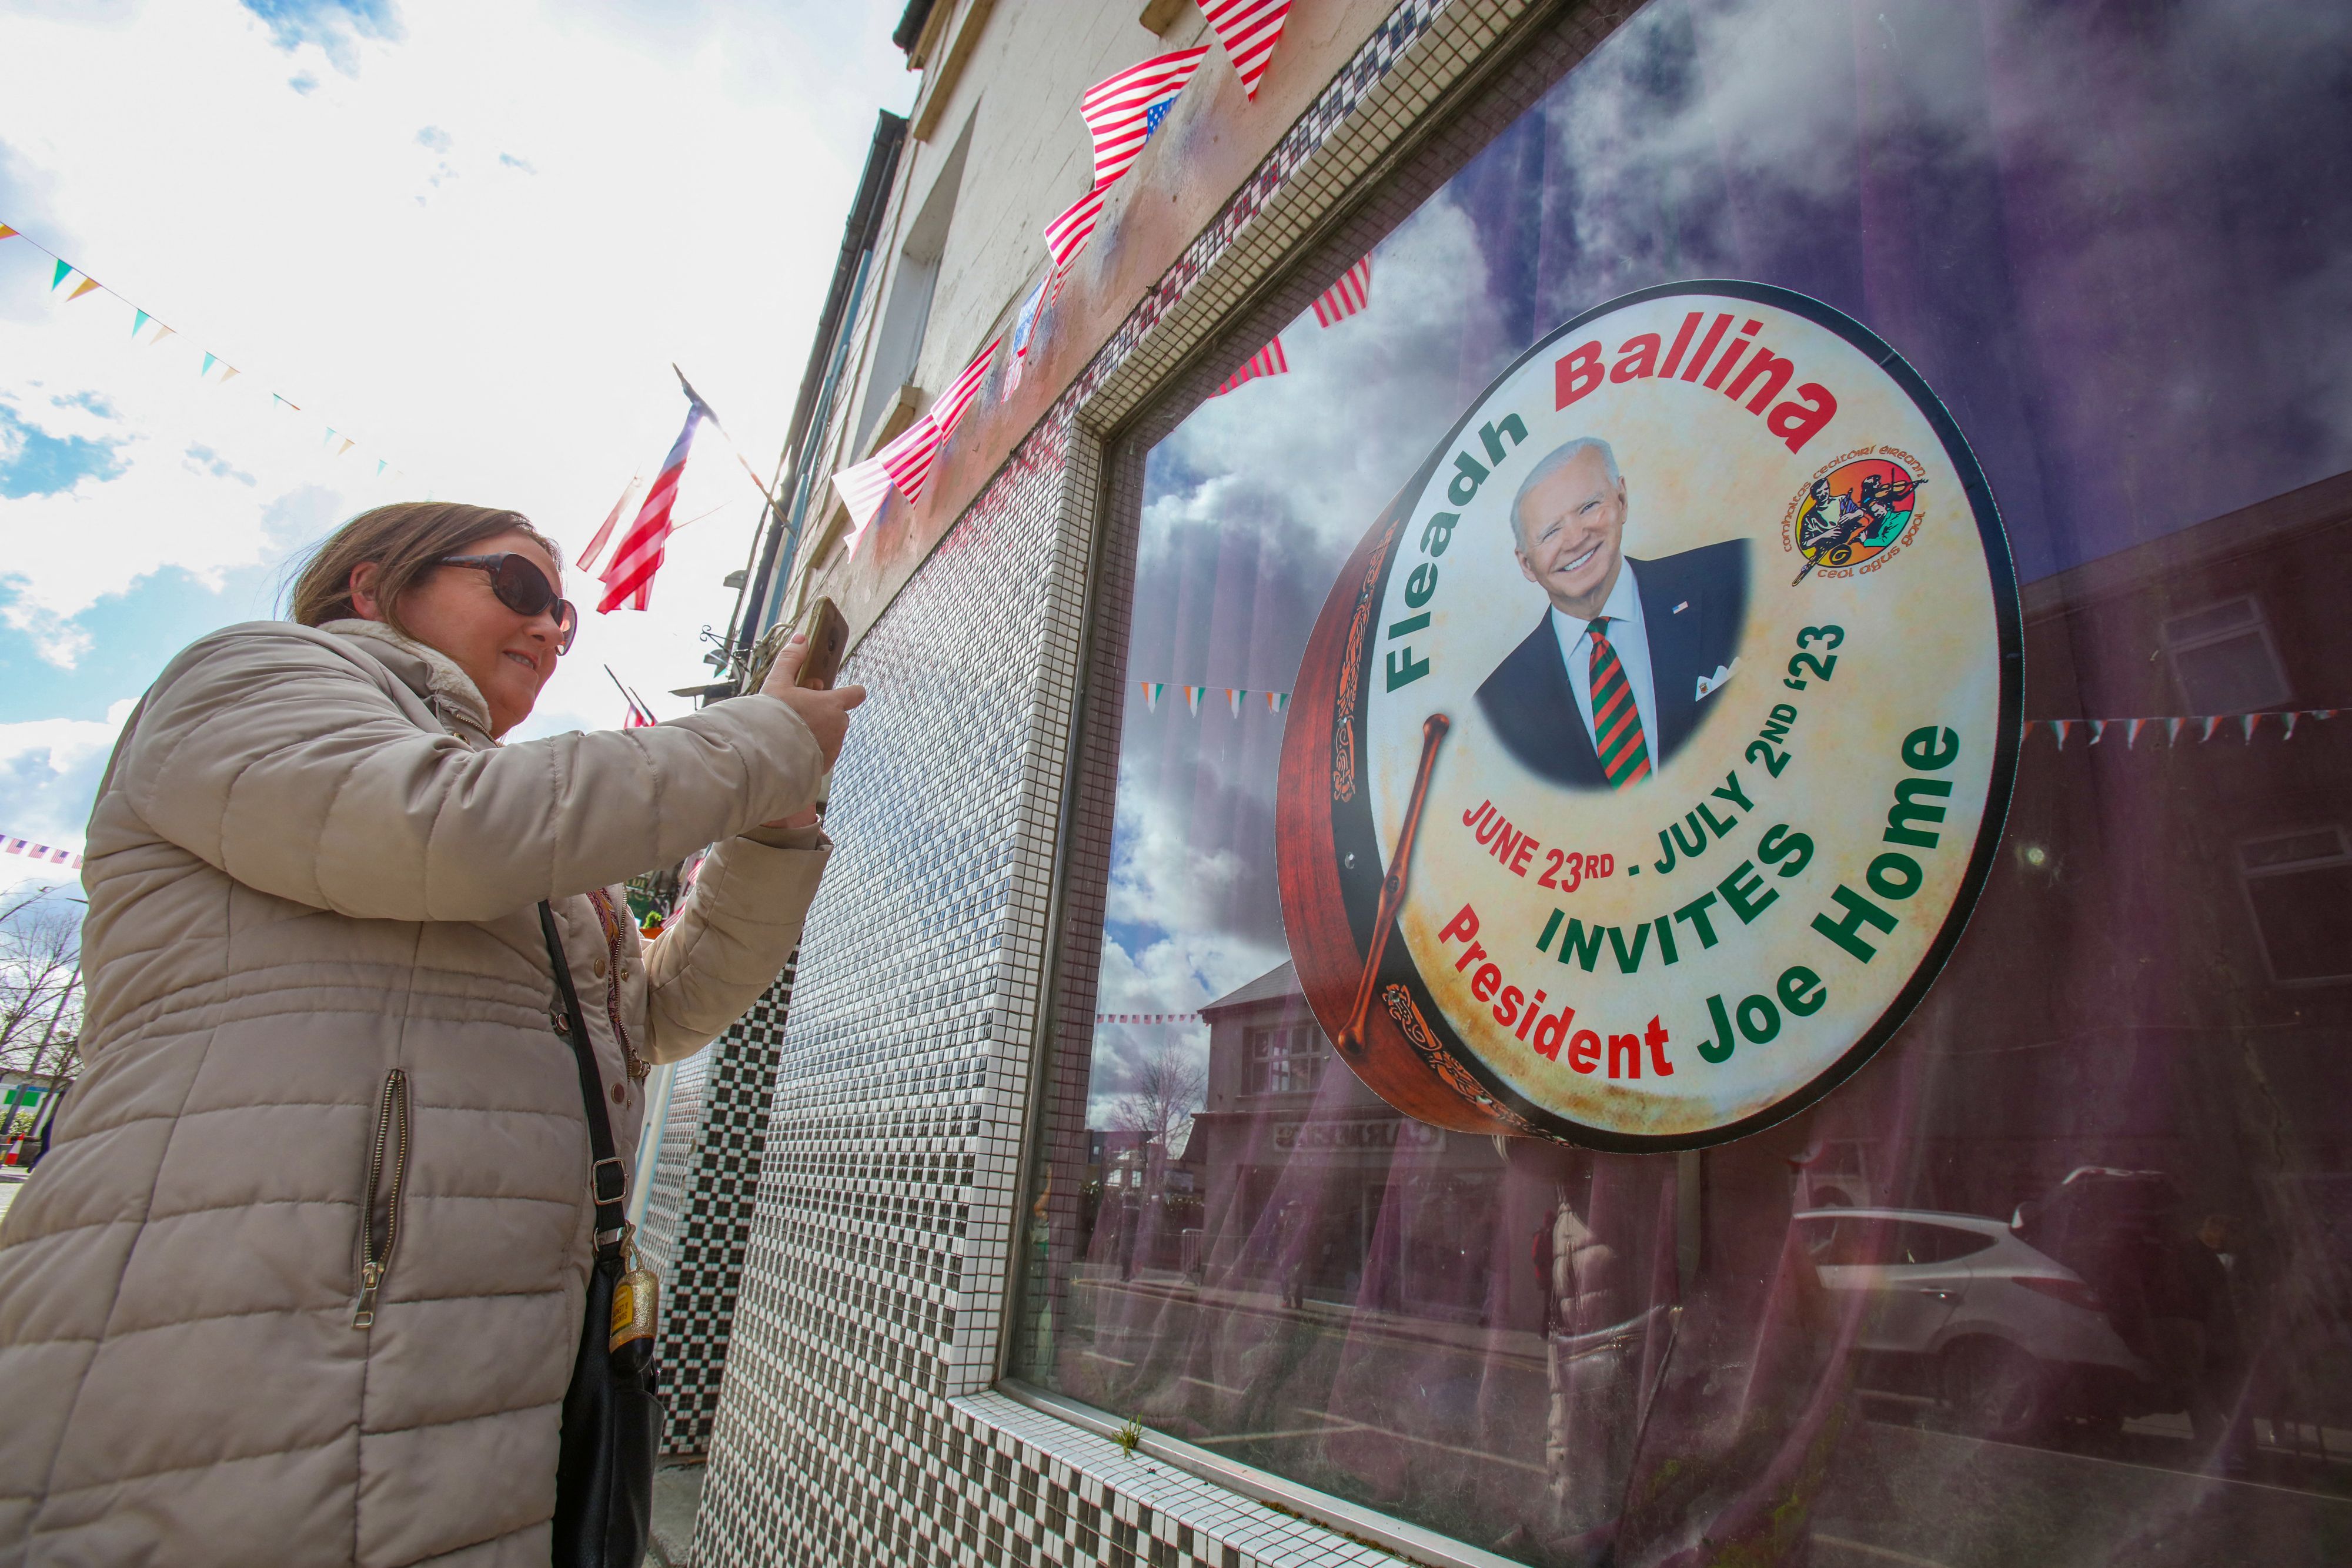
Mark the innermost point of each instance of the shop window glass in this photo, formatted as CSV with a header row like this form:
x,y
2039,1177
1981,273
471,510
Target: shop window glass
x,y
1285,1060
2224,659
2300,889
2113,240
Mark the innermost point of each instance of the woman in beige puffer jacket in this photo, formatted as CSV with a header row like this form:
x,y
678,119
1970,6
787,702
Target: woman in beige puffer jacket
x,y
319,1028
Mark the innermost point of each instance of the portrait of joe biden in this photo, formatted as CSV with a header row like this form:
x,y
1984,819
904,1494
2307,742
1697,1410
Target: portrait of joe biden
x,y
1630,654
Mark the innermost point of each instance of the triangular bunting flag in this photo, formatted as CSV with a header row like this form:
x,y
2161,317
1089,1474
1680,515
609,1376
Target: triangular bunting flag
x,y
1192,695
380,467
1345,298
1276,701
2025,731
5,232
952,402
1269,360
2210,725
1233,700
1122,109
2098,729
57,278
210,361
2290,728
863,489
1068,235
84,287
1248,29
909,458
2131,732
2172,730
138,319
346,446
2246,723
2061,725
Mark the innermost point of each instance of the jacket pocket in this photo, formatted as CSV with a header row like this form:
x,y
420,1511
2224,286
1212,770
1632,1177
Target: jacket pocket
x,y
380,1216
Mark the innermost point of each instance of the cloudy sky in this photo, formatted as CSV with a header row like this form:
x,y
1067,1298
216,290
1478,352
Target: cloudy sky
x,y
472,238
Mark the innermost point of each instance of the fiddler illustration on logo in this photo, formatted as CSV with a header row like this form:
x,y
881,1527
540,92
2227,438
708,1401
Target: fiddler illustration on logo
x,y
1652,749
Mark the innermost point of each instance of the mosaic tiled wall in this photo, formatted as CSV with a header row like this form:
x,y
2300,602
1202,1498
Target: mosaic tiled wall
x,y
697,1227
855,1426
673,1163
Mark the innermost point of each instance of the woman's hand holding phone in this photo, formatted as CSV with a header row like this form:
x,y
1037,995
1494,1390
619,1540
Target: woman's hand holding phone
x,y
824,709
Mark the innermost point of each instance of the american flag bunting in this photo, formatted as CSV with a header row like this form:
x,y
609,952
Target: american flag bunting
x,y
43,852
906,463
1249,30
1123,109
1068,235
1269,360
1345,298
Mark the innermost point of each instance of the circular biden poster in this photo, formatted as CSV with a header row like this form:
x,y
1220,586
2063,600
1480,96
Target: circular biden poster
x,y
1651,748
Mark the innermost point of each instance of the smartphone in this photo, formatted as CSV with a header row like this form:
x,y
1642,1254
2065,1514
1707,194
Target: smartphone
x,y
828,641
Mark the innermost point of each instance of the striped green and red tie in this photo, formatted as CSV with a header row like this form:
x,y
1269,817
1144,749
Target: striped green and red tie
x,y
1616,721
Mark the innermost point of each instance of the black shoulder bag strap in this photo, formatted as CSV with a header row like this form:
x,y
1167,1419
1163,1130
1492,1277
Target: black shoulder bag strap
x,y
607,1178
612,1420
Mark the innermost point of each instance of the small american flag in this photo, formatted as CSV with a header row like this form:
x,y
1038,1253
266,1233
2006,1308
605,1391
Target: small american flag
x,y
1345,298
1121,111
1248,29
628,577
1269,360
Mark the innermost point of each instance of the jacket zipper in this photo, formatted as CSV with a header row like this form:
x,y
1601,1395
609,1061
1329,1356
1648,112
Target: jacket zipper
x,y
375,1262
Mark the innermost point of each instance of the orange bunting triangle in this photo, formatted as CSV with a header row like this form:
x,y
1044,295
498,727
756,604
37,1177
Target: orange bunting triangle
x,y
346,446
6,233
84,287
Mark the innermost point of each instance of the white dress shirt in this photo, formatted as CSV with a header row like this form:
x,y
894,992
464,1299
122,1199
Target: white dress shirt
x,y
1630,638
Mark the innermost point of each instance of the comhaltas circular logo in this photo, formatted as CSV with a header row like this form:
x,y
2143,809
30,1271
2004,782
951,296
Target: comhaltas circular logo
x,y
1857,513
1651,749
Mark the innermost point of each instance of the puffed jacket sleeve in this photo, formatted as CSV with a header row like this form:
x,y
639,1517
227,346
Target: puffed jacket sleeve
x,y
272,755
729,939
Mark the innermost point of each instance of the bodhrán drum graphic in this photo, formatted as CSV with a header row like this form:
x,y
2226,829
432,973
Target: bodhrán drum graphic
x,y
1651,749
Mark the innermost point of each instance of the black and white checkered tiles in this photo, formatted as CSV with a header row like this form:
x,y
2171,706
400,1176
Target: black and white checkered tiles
x,y
701,1255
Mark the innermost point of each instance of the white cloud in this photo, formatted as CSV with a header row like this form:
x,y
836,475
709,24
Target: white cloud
x,y
509,342
49,770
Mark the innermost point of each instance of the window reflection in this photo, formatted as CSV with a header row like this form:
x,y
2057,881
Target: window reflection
x,y
2062,1276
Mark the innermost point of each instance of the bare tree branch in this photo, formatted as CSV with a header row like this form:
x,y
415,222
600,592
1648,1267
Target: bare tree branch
x,y
1170,1087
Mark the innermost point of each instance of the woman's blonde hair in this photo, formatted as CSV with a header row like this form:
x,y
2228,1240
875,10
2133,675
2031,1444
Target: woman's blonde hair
x,y
404,539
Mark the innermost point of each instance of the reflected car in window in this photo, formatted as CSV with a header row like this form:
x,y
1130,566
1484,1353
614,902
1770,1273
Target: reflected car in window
x,y
1960,1306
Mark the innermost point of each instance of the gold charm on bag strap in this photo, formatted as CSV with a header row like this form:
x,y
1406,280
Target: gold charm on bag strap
x,y
636,1298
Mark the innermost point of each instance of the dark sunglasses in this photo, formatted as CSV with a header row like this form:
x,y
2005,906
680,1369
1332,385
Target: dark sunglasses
x,y
522,587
